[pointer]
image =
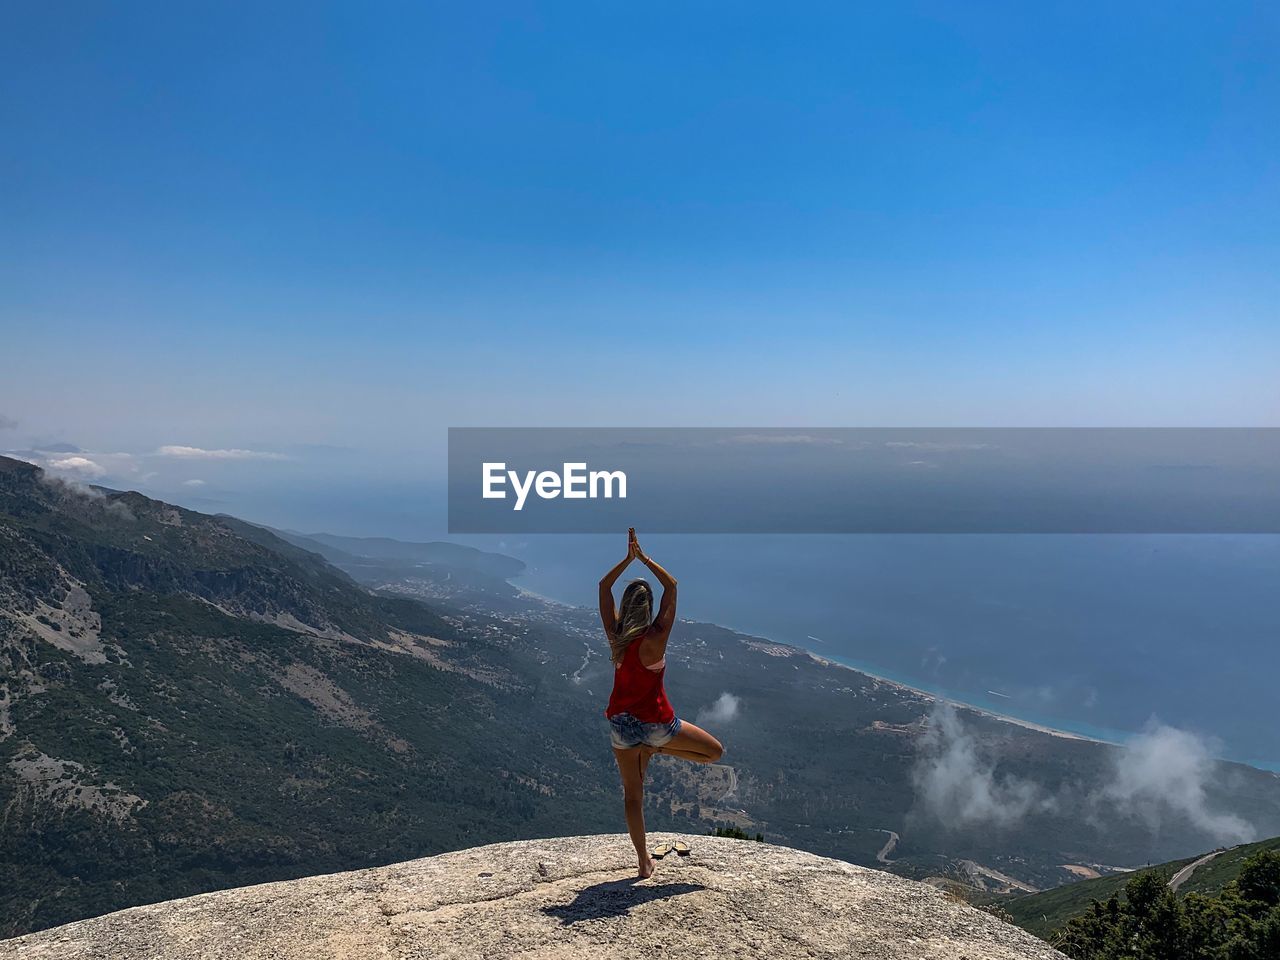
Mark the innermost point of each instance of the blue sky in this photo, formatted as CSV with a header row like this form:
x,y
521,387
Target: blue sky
x,y
351,226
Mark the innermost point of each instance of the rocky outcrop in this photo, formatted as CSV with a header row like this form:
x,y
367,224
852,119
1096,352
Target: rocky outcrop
x,y
573,897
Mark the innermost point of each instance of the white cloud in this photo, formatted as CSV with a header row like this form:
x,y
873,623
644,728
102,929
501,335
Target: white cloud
x,y
193,483
956,779
722,711
7,423
82,466
81,463
200,453
73,486
1162,773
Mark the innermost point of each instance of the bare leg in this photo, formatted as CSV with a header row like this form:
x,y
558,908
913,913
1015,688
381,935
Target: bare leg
x,y
693,743
632,764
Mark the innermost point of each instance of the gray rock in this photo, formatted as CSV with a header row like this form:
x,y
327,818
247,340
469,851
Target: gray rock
x,y
573,897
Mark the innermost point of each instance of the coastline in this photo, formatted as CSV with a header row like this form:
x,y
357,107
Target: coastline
x,y
932,695
938,697
1113,738
1082,732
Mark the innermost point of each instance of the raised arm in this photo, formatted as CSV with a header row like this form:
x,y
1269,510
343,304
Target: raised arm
x,y
666,617
608,611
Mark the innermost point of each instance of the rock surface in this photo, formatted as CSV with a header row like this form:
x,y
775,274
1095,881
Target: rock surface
x,y
573,897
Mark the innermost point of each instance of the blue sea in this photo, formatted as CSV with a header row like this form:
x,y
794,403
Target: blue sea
x,y
1098,635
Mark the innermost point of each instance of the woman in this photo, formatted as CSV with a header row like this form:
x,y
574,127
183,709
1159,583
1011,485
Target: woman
x,y
641,720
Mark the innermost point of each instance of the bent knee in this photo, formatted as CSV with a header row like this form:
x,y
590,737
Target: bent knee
x,y
715,752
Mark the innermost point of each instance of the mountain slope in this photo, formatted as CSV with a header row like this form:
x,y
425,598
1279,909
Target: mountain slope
x,y
453,555
1215,874
1042,913
378,561
182,708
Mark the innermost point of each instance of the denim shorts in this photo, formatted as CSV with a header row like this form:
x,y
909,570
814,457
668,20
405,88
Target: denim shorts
x,y
626,731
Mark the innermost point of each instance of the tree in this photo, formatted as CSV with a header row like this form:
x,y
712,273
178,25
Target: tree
x,y
1152,922
1260,878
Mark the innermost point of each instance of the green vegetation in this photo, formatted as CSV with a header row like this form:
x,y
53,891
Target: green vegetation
x,y
259,751
247,781
1151,922
1211,877
735,834
1044,913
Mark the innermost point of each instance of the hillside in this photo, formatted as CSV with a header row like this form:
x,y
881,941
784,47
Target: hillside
x,y
573,898
1212,876
452,555
183,708
190,702
1042,913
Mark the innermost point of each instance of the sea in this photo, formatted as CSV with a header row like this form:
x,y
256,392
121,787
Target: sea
x,y
1102,636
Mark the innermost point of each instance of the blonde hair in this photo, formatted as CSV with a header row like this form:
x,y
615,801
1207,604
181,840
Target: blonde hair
x,y
635,615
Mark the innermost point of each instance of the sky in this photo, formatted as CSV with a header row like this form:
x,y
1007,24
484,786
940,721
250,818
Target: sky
x,y
302,241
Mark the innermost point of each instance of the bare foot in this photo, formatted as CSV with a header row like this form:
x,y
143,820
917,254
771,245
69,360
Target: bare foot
x,y
647,866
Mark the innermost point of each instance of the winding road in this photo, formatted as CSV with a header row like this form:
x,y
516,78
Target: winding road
x,y
883,855
731,793
1183,875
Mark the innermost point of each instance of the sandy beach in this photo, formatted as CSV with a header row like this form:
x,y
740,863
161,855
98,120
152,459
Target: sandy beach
x,y
940,698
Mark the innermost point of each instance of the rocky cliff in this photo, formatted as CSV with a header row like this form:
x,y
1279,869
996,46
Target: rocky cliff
x,y
573,897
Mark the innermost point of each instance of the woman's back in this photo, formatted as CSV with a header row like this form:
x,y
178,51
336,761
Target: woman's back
x,y
638,689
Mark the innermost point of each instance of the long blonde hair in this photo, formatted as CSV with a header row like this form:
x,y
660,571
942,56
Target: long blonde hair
x,y
635,615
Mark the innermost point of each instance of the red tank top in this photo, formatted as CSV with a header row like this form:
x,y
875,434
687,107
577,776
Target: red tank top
x,y
637,690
